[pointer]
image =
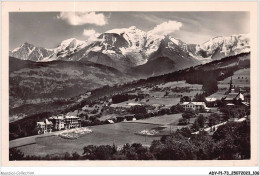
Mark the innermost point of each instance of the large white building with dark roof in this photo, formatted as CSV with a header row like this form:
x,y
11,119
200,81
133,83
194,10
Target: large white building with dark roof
x,y
44,127
57,123
196,106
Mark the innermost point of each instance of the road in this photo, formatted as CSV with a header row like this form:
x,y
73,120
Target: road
x,y
220,124
29,140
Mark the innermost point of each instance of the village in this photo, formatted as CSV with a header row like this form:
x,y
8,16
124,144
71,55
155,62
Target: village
x,y
172,106
146,112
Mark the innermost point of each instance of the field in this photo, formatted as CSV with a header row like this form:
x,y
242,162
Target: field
x,y
179,84
106,117
118,133
240,78
167,123
160,120
129,131
218,95
166,101
162,101
157,97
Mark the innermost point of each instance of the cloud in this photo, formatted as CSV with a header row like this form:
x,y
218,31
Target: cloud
x,y
91,34
150,18
80,18
166,28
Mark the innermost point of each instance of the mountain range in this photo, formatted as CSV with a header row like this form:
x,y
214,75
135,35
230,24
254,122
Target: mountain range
x,y
131,50
38,75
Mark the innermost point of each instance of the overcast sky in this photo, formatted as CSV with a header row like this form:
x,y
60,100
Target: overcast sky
x,y
48,29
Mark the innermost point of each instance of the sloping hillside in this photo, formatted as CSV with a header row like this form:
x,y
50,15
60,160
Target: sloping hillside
x,y
218,70
32,82
160,65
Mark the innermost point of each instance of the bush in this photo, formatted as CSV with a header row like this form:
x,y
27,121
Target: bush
x,y
177,109
138,110
189,114
121,98
201,120
15,154
183,121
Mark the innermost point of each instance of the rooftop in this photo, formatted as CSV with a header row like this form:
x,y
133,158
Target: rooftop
x,y
71,117
231,96
57,117
211,99
45,122
195,103
64,117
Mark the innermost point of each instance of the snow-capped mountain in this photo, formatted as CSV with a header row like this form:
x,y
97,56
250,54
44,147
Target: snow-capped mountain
x,y
136,40
39,54
29,52
67,48
135,37
126,48
220,47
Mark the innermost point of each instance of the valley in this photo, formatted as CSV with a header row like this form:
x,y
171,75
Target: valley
x,y
42,78
46,85
127,86
130,85
139,111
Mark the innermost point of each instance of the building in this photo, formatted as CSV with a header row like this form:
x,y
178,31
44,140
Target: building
x,y
72,122
232,96
196,106
57,123
110,121
211,101
120,118
247,98
44,127
129,117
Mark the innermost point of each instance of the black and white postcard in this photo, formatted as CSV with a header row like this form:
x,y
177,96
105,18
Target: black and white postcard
x,y
97,82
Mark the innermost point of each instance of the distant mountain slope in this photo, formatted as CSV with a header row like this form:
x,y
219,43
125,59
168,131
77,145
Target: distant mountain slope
x,y
39,54
218,69
29,52
162,64
54,80
220,47
57,79
241,60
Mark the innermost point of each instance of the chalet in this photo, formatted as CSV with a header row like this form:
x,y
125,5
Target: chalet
x,y
211,101
58,122
129,117
44,127
196,106
120,118
110,121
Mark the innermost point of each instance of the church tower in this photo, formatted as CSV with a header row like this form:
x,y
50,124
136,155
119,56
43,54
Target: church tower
x,y
231,85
